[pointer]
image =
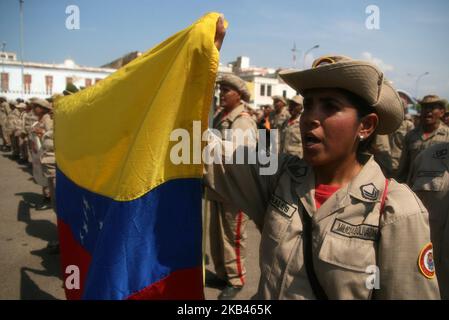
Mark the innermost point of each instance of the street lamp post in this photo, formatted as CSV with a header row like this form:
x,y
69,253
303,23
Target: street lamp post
x,y
417,82
306,53
3,65
21,44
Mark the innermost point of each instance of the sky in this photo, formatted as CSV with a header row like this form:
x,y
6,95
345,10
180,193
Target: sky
x,y
411,40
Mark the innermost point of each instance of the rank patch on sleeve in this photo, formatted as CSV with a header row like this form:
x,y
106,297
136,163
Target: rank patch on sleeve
x,y
369,191
426,263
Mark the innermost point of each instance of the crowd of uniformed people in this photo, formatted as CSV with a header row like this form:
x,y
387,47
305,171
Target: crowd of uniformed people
x,y
359,184
358,207
26,131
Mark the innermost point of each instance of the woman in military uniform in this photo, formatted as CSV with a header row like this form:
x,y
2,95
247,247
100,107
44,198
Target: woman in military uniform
x,y
333,226
429,178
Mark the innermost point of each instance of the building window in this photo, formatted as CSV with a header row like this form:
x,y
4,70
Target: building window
x,y
5,82
27,83
88,82
49,84
284,93
97,80
262,90
269,90
68,80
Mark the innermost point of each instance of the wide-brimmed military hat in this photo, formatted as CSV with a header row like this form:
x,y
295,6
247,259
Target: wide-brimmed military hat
x,y
279,98
359,77
21,105
297,99
236,83
41,103
433,99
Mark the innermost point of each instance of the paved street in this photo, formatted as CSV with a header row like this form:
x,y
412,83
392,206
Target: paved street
x,y
27,269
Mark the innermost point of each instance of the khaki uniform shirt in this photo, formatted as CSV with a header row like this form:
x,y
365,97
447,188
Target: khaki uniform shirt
x,y
381,150
276,122
46,123
429,178
278,119
47,156
415,142
349,236
291,142
4,111
397,140
238,118
12,121
29,119
20,124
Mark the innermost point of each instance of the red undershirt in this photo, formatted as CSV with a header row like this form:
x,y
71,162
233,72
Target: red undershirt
x,y
324,192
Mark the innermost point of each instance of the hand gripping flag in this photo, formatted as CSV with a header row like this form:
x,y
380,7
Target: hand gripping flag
x,y
129,220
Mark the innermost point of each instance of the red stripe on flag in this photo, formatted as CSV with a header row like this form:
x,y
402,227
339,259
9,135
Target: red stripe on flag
x,y
179,285
72,254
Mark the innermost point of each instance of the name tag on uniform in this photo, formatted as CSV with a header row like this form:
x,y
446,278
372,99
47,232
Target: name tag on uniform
x,y
281,205
361,231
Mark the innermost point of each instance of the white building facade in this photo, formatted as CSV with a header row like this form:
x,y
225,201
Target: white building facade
x,y
43,80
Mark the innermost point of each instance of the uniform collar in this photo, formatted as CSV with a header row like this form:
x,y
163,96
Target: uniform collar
x,y
234,113
294,121
366,187
439,130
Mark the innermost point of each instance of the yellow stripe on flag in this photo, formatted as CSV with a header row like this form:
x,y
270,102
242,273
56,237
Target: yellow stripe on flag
x,y
113,138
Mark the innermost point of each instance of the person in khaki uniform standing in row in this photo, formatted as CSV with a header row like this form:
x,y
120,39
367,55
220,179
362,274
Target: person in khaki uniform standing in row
x,y
290,133
381,150
387,149
397,140
12,122
429,178
278,117
18,132
228,221
42,110
28,121
430,131
4,111
332,219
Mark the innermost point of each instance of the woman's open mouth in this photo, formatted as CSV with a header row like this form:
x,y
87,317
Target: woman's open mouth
x,y
311,140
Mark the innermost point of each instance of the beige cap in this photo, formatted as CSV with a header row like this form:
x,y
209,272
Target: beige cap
x,y
41,103
433,99
279,98
297,99
236,83
359,77
21,106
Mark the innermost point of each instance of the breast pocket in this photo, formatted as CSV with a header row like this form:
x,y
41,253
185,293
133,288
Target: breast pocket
x,y
275,225
349,253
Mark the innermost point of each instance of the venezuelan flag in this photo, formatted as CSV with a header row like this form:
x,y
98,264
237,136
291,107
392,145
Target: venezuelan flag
x,y
129,220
